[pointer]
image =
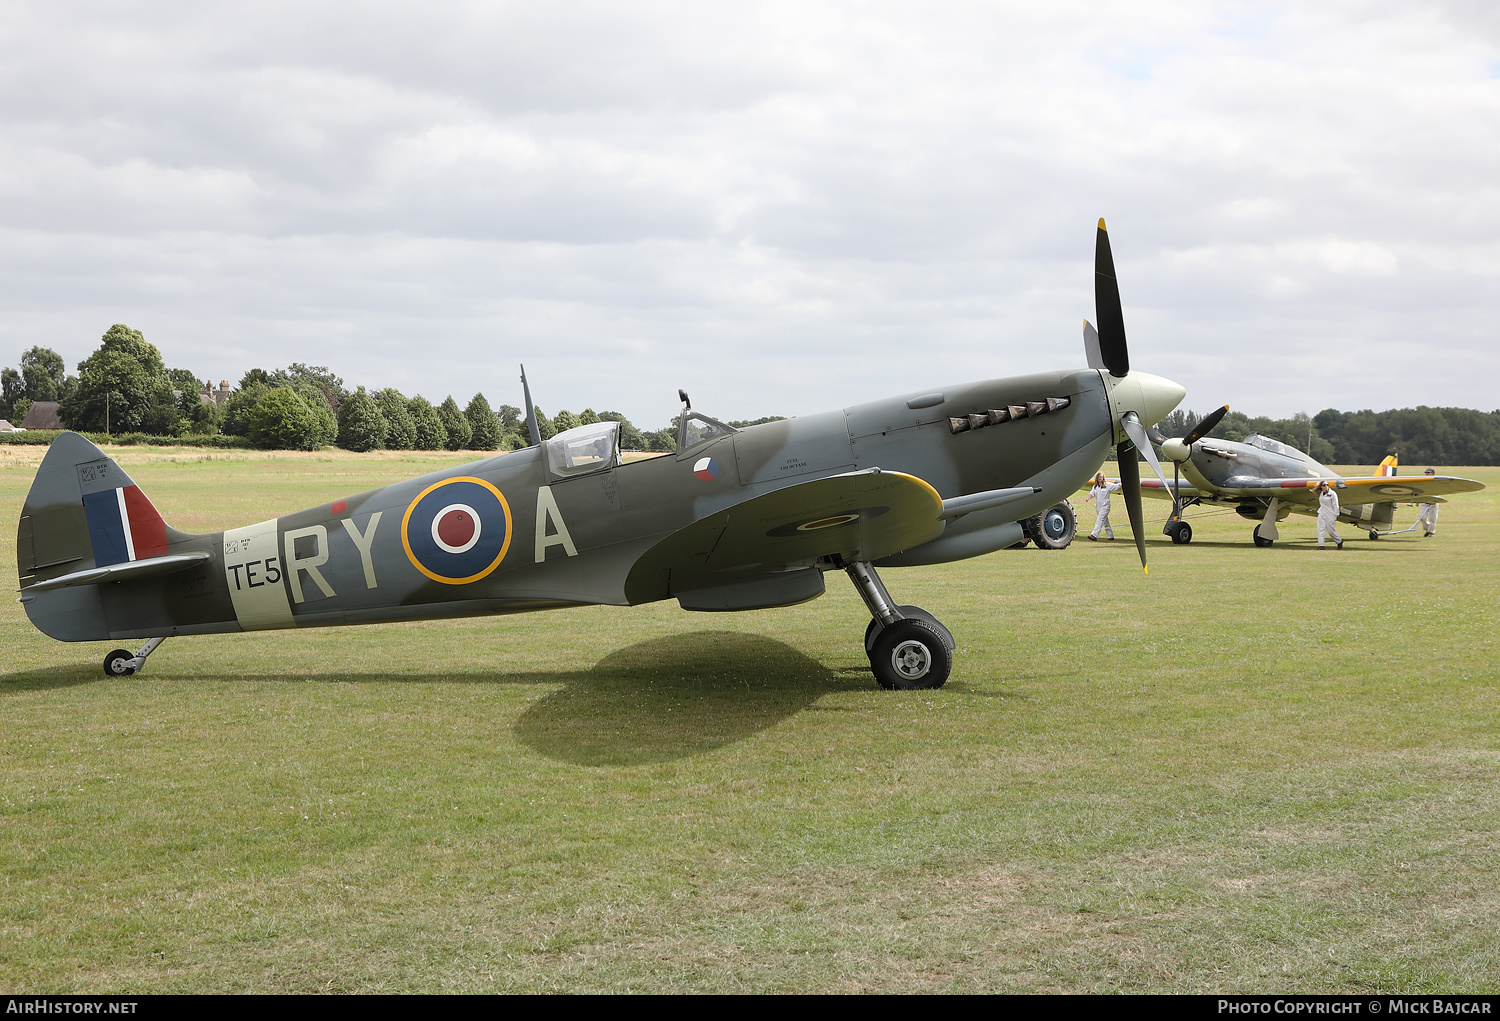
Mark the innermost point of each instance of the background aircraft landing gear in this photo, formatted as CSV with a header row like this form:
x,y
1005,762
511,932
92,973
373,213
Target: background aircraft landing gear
x,y
1258,540
1180,531
1054,528
1374,534
121,663
907,646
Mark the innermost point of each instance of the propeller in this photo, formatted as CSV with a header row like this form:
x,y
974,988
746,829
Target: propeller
x,y
1106,349
1180,450
1206,426
1112,349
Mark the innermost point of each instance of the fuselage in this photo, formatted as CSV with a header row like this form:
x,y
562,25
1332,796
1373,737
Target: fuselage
x,y
547,527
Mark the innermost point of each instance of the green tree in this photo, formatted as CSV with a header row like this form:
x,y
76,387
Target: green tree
x,y
460,432
661,439
400,429
484,425
361,425
235,417
509,415
565,420
12,389
44,372
282,420
123,387
544,426
203,419
430,434
630,436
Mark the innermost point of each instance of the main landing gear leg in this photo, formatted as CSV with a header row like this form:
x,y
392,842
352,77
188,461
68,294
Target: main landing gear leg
x,y
121,663
907,646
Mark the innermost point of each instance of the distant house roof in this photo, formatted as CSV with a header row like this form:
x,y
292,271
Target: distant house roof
x,y
43,415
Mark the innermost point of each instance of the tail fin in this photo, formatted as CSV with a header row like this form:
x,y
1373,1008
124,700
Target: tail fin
x,y
1388,466
83,511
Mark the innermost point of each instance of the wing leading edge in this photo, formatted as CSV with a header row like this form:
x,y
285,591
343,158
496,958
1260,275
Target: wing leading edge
x,y
770,544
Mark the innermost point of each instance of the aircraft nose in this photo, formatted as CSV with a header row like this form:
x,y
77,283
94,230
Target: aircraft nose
x,y
1159,396
1175,449
1149,396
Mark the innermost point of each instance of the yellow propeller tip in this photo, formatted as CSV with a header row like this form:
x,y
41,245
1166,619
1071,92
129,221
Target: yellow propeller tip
x,y
1101,223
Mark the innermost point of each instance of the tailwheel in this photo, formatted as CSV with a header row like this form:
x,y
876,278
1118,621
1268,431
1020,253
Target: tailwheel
x,y
1374,534
117,663
911,654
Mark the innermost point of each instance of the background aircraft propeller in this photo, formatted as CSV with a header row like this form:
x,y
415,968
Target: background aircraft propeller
x,y
1177,454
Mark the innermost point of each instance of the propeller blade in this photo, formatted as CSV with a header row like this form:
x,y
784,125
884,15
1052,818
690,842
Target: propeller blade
x,y
1154,435
1091,346
1107,308
1137,433
1130,487
1206,426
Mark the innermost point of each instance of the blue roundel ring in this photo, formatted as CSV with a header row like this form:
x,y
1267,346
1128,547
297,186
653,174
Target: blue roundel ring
x,y
457,531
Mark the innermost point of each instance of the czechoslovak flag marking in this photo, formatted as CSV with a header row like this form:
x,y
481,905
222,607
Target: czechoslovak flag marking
x,y
706,469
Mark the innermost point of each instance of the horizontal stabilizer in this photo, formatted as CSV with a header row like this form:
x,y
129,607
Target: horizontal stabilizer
x,y
128,571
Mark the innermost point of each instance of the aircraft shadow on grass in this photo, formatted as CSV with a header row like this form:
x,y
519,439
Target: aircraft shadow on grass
x,y
671,697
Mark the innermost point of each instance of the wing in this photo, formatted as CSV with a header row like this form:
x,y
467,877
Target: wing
x,y
1402,489
1155,490
770,544
1351,492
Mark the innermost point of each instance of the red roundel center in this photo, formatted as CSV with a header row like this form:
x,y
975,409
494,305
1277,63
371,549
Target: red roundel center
x,y
456,528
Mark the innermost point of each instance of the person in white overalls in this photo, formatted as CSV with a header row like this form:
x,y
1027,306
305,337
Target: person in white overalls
x,y
1428,516
1328,514
1100,495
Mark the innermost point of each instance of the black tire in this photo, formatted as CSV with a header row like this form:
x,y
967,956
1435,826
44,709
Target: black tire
x,y
1374,534
116,663
1258,540
910,612
1182,534
1054,528
911,655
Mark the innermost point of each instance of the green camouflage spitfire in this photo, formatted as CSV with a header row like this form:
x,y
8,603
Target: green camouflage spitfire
x,y
736,519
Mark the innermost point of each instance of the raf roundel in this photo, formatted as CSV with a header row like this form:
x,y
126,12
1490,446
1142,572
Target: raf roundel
x,y
457,531
706,469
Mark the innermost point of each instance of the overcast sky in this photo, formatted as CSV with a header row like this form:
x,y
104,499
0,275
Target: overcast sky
x,y
781,207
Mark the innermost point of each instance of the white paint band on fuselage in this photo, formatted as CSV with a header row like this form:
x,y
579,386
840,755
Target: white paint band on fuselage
x,y
256,577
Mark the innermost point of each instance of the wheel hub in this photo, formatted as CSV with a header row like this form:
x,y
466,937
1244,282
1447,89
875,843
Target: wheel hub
x,y
912,660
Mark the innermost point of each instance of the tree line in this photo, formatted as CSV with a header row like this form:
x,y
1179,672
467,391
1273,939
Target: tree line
x,y
1421,435
125,387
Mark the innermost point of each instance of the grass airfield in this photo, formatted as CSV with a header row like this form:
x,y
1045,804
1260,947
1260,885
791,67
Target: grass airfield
x,y
1250,771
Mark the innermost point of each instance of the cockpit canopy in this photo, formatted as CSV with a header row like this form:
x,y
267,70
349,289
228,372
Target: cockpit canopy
x,y
585,448
694,429
1274,447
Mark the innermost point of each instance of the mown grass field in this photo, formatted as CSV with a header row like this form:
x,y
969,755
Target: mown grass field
x,y
1251,770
